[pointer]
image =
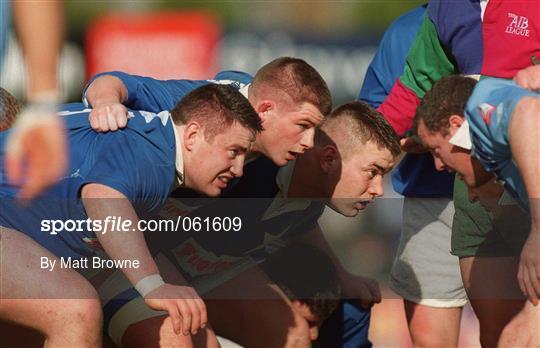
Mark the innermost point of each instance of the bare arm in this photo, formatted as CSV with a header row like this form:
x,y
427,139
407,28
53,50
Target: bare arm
x,y
106,89
36,152
40,28
524,133
186,309
106,95
529,78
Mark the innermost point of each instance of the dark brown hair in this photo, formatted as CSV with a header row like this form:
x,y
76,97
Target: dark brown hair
x,y
216,107
363,123
446,98
299,80
9,108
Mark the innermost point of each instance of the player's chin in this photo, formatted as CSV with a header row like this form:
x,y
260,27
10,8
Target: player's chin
x,y
347,210
281,160
214,189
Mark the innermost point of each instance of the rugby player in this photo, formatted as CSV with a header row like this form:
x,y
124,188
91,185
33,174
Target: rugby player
x,y
127,174
354,148
480,131
289,95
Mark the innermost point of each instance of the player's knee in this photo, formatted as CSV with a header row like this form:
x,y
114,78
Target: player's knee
x,y
83,314
429,339
77,321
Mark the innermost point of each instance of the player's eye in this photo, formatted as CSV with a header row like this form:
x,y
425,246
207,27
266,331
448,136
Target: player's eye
x,y
233,153
304,126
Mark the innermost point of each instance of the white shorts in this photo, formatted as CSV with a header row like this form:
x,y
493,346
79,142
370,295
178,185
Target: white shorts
x,y
424,271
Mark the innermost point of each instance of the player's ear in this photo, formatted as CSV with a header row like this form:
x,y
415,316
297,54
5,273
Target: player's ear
x,y
455,121
263,108
329,158
191,133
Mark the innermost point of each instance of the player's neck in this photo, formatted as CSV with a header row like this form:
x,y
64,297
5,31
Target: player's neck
x,y
305,181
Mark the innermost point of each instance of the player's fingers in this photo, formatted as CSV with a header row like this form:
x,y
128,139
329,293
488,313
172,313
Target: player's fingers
x,y
13,164
202,310
529,290
121,120
185,312
94,120
103,120
111,120
520,278
176,318
195,316
535,283
121,116
45,149
36,149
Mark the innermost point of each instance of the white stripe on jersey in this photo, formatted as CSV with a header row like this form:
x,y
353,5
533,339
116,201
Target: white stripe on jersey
x,y
149,116
67,113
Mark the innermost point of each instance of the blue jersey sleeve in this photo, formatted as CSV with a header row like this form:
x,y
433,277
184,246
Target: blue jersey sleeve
x,y
142,173
149,94
387,64
489,111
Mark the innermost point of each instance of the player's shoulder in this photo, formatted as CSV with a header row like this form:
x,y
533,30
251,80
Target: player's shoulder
x,y
495,92
412,18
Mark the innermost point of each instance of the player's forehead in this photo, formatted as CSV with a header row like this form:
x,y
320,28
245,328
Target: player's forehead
x,y
430,139
373,155
235,134
306,112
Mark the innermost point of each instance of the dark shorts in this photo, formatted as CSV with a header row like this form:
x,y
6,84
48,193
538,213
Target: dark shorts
x,y
476,232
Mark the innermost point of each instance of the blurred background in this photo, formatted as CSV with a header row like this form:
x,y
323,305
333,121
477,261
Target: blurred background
x,y
196,39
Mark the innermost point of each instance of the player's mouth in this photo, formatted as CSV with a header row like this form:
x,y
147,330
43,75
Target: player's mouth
x,y
362,204
223,181
291,155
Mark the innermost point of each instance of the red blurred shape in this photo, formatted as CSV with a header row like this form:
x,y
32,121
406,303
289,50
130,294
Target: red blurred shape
x,y
163,45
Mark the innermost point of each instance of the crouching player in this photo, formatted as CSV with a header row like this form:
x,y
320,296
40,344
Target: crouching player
x,y
485,130
126,175
353,149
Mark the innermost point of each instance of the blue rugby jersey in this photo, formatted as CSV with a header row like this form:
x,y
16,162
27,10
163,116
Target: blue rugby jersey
x,y
489,111
268,219
138,161
146,93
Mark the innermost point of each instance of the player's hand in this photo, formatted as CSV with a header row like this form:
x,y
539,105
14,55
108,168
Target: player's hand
x,y
365,289
108,117
529,267
529,78
412,146
186,309
36,150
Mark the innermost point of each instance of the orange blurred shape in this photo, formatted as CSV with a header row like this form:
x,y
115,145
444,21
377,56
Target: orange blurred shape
x,y
162,45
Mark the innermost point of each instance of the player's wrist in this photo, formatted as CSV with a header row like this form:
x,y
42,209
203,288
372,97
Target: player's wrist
x,y
148,284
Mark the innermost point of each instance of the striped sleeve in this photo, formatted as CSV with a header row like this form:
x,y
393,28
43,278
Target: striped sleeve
x,y
427,62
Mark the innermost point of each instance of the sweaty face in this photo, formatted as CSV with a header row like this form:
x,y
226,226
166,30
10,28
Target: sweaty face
x,y
214,163
361,179
452,158
288,131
